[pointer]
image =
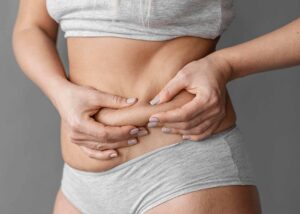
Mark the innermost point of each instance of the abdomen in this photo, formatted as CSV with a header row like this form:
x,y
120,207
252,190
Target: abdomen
x,y
129,68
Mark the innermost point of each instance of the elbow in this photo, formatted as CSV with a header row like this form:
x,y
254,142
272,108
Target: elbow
x,y
21,43
17,39
18,35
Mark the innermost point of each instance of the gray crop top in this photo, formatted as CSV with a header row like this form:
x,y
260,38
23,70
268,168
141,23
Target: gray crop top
x,y
142,19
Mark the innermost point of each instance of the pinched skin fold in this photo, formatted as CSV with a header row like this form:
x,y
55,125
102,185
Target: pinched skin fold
x,y
139,113
132,68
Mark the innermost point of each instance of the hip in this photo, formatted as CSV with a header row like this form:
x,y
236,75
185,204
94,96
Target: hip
x,y
162,174
74,156
129,77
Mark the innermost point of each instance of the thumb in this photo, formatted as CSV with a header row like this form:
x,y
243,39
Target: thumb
x,y
114,101
173,87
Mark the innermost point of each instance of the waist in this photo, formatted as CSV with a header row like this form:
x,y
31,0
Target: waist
x,y
128,67
131,68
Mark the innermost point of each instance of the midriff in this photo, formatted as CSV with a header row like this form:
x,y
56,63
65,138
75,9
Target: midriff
x,y
132,68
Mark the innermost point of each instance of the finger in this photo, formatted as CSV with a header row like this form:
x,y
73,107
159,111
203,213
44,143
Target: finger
x,y
118,133
199,118
89,144
104,146
205,134
102,133
173,87
214,121
121,144
195,130
104,99
154,124
93,130
142,132
183,113
198,129
80,136
100,155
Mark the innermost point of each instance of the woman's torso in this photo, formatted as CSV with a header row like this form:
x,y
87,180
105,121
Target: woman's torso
x,y
133,68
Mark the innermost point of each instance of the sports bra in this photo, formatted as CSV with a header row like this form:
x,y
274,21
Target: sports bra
x,y
142,19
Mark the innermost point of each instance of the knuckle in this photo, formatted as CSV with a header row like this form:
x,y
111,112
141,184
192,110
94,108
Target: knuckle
x,y
103,135
124,143
199,129
93,97
117,99
91,155
119,145
202,128
166,92
214,97
183,75
186,126
73,135
75,124
201,99
223,112
100,146
184,115
208,124
218,110
74,141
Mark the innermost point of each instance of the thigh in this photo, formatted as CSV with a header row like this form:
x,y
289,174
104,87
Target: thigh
x,y
63,206
235,199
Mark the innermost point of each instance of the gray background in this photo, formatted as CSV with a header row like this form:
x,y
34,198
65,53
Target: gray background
x,y
267,105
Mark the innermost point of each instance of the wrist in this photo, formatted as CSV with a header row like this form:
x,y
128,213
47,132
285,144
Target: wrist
x,y
58,91
225,68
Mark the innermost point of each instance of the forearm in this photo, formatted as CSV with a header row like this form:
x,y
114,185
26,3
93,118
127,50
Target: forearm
x,y
277,49
38,58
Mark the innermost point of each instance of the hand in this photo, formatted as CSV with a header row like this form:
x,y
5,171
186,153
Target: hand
x,y
206,79
77,105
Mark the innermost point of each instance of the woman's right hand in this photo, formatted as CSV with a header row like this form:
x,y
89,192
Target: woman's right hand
x,y
78,104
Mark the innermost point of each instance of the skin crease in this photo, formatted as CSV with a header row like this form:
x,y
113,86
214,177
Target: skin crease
x,y
141,78
35,36
233,199
139,113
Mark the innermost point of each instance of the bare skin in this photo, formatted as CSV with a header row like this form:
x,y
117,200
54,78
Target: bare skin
x,y
140,69
144,78
129,77
239,199
128,73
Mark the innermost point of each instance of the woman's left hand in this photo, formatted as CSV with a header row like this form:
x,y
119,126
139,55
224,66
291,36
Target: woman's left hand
x,y
206,79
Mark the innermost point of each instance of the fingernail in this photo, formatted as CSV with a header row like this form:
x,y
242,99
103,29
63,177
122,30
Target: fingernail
x,y
132,141
134,131
185,137
142,132
165,129
152,124
113,155
153,119
154,101
131,100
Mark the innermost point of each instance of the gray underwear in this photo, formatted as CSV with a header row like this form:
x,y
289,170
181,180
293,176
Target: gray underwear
x,y
146,181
